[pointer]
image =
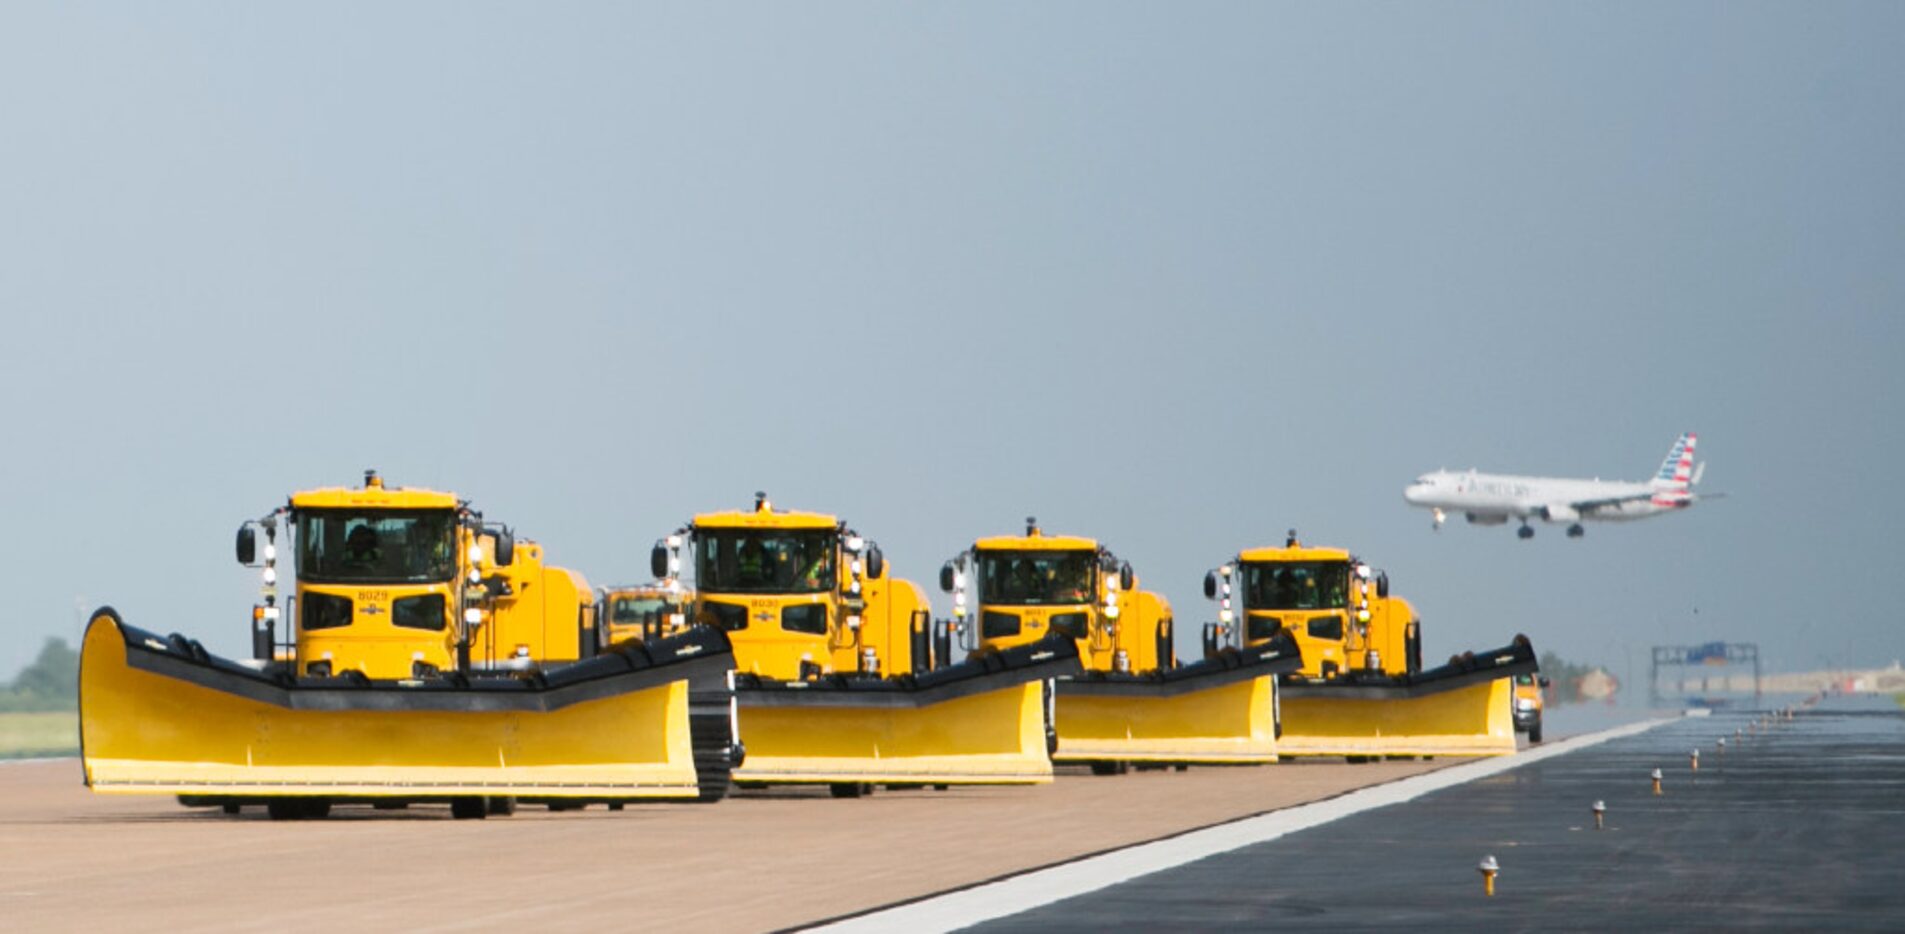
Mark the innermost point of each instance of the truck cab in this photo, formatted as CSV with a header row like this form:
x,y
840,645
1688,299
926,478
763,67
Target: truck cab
x,y
1337,608
1032,585
403,584
799,594
643,612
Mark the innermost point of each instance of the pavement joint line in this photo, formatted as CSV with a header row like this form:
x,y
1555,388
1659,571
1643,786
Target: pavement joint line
x,y
1023,891
39,759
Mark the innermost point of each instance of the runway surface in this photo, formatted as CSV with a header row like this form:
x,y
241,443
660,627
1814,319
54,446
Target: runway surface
x,y
1795,828
70,859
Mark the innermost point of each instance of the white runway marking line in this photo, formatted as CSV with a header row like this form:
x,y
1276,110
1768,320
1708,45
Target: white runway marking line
x,y
1009,896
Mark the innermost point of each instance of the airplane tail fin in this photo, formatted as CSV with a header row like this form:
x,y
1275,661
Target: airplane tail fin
x,y
1677,473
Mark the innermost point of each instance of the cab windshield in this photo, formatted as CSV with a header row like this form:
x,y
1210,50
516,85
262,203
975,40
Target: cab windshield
x,y
624,610
1036,578
764,560
1297,585
337,546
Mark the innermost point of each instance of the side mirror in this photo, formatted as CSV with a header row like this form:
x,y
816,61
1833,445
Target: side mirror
x,y
247,544
876,562
658,560
1545,682
946,577
505,548
1382,583
1125,577
1210,585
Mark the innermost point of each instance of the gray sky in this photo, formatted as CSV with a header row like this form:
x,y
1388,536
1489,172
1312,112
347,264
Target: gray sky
x,y
1176,275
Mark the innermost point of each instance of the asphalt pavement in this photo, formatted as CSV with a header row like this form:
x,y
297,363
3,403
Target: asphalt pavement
x,y
1796,826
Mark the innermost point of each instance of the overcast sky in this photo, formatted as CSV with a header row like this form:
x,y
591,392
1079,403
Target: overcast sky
x,y
1175,275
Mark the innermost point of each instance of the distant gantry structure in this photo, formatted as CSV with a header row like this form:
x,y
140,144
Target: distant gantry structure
x,y
1676,659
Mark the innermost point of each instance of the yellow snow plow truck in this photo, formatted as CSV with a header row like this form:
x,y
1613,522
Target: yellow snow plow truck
x,y
835,678
1132,703
428,658
1362,691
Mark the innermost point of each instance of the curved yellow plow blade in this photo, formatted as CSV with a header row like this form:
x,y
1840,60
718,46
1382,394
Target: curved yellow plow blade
x,y
157,716
978,722
1231,723
1472,720
997,737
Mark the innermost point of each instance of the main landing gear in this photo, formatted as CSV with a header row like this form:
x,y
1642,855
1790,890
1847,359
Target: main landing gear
x,y
1575,530
1524,531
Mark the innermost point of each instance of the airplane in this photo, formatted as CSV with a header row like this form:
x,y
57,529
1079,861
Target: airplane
x,y
1493,499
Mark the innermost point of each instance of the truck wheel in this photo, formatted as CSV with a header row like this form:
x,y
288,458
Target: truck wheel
x,y
502,805
849,789
1534,733
469,808
298,808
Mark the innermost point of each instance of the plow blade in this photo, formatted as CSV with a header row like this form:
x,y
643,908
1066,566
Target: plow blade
x,y
982,721
158,715
1460,709
1216,711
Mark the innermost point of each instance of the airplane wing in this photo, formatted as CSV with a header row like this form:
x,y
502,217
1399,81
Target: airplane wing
x,y
1585,506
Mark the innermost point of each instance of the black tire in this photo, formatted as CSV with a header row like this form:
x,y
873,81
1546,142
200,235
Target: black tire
x,y
850,789
616,805
501,805
298,808
231,807
1359,760
469,808
1534,734
713,742
1109,768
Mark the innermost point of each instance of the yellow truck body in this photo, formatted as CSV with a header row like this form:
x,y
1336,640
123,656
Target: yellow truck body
x,y
427,657
1361,691
1131,702
835,682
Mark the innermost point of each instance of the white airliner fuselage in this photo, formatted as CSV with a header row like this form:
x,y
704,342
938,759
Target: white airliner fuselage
x,y
1493,499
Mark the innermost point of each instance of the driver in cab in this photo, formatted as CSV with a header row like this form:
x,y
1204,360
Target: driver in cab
x,y
362,551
